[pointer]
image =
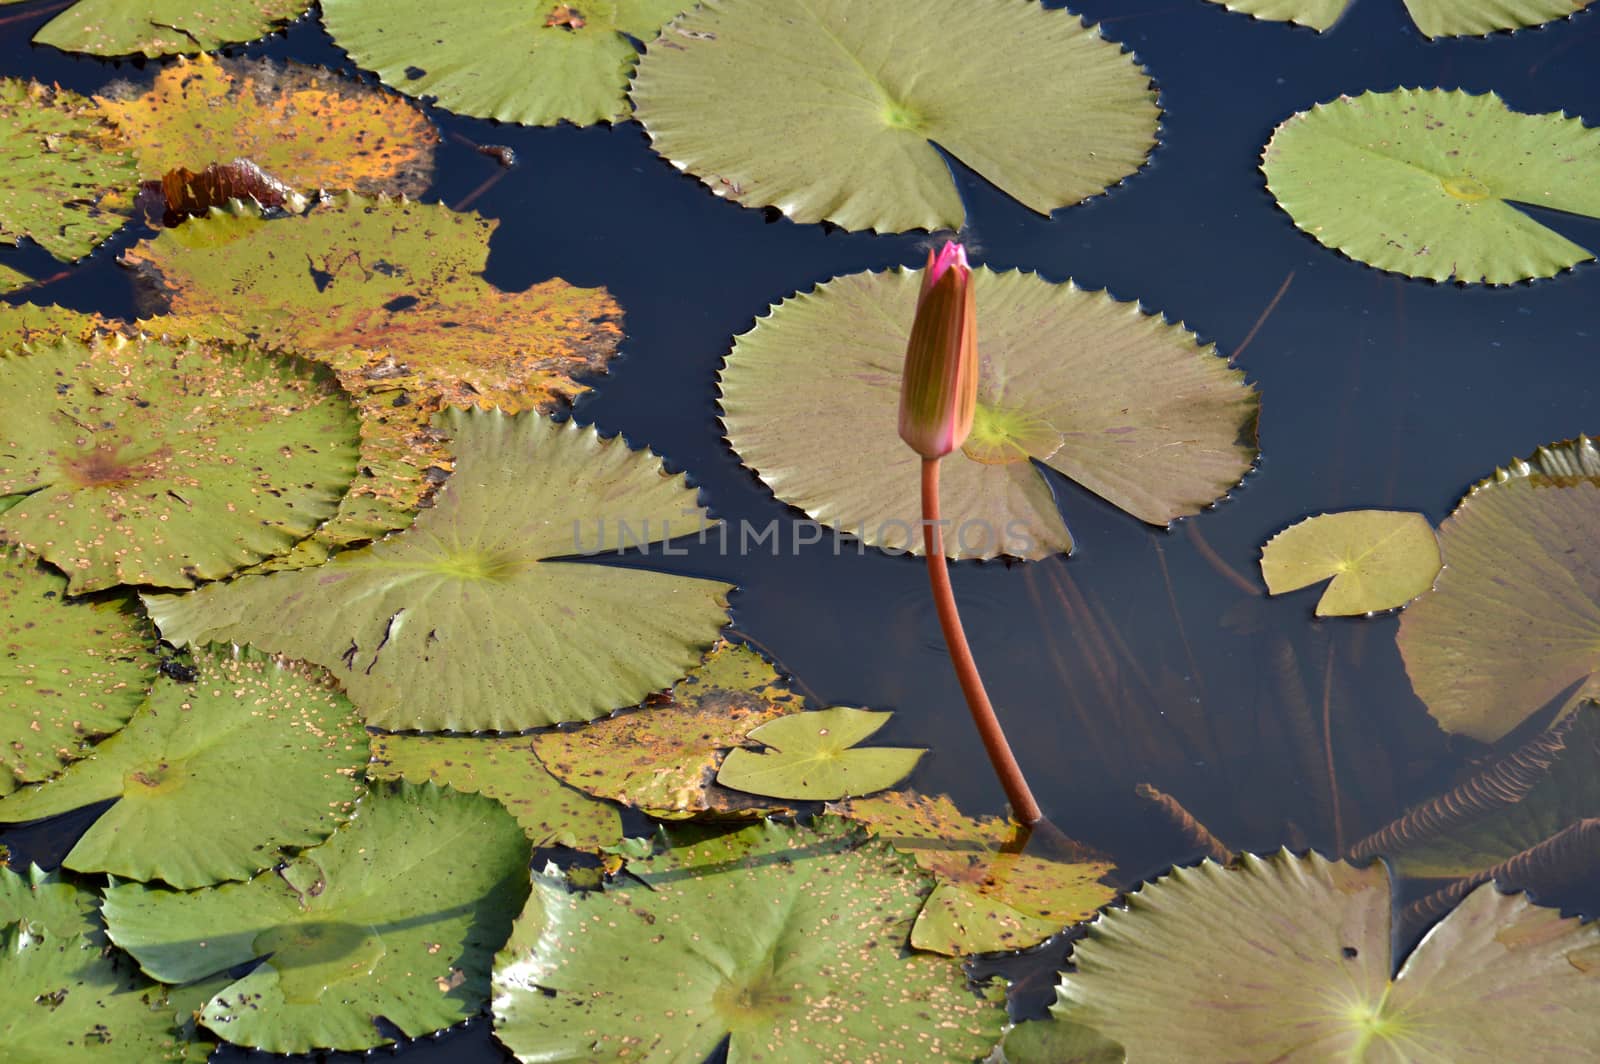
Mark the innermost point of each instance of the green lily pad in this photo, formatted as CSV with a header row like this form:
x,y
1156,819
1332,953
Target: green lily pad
x,y
468,620
64,183
165,27
536,63
1288,958
213,778
992,894
396,916
1056,1041
1422,181
11,280
1378,559
1436,18
26,323
165,465
1509,807
43,904
1515,619
69,671
64,1000
391,295
1131,408
814,757
510,772
830,110
663,759
790,941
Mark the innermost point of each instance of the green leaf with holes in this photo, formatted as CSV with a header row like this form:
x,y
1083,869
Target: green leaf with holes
x,y
1436,18
814,757
507,770
65,183
396,916
165,27
542,63
70,670
830,110
1514,622
160,464
1424,182
1128,406
1378,559
477,617
788,940
1306,973
216,777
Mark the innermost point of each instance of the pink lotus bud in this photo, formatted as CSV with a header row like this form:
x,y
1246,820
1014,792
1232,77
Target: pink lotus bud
x,y
939,385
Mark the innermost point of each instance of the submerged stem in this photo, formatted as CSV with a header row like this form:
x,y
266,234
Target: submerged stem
x,y
1023,807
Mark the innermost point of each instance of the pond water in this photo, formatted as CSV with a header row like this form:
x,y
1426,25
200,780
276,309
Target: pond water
x,y
1149,656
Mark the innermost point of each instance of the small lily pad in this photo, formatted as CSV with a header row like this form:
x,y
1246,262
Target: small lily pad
x,y
1422,182
165,27
1515,619
1130,407
252,756
814,757
306,126
510,772
789,941
534,62
65,183
167,464
1378,559
663,759
476,618
396,916
1436,18
69,671
1056,1041
1305,972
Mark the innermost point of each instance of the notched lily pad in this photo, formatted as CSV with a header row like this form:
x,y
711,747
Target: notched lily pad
x,y
1515,619
214,776
41,903
1130,407
807,106
1378,559
1422,182
160,464
1436,18
396,916
789,941
477,618
814,757
165,27
1306,971
69,671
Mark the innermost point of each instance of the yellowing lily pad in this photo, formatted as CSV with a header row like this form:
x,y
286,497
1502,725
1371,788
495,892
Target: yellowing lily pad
x,y
1436,18
992,895
1515,619
1305,973
535,62
308,127
1133,409
167,464
396,916
468,620
663,759
510,772
65,183
253,756
69,671
830,109
165,27
1378,559
391,295
25,323
814,757
1422,182
788,941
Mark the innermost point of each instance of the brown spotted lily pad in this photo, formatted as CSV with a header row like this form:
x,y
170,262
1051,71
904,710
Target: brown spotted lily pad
x,y
391,295
165,465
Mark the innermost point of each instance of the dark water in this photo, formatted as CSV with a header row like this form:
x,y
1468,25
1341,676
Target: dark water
x,y
1139,660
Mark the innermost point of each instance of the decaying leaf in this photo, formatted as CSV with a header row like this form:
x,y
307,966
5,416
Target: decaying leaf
x,y
182,193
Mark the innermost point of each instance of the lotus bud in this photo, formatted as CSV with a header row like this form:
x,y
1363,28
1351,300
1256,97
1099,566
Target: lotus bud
x,y
939,385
